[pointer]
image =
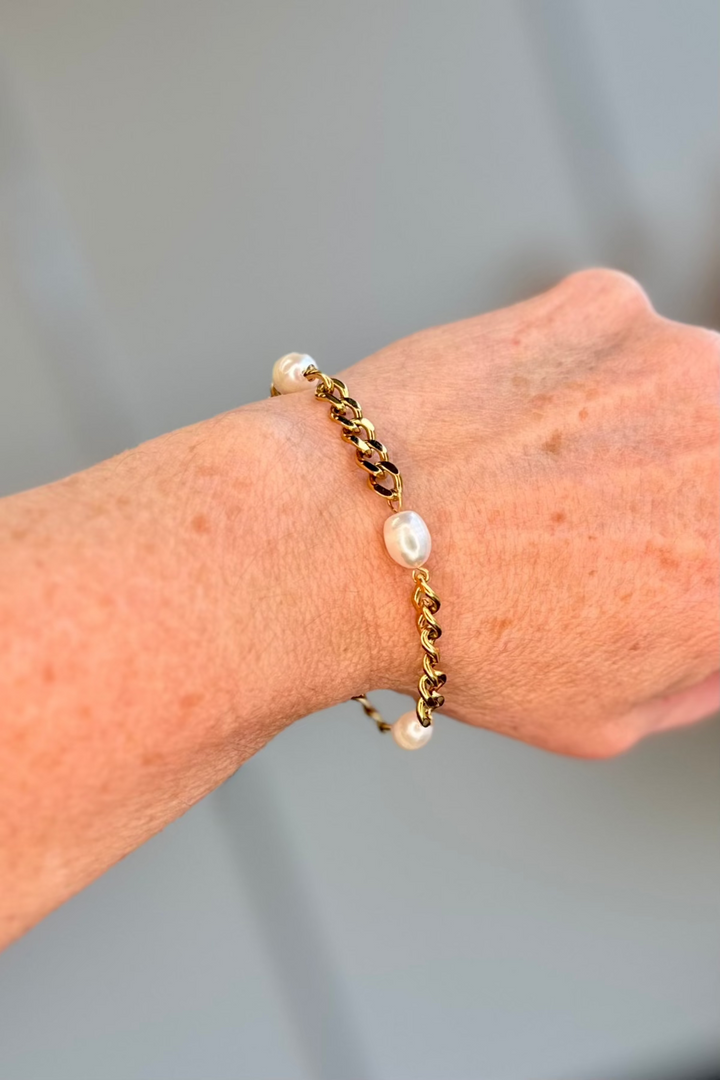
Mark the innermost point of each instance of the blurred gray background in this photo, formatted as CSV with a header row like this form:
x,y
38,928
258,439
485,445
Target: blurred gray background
x,y
189,190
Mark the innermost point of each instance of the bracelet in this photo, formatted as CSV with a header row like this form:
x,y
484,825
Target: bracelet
x,y
406,535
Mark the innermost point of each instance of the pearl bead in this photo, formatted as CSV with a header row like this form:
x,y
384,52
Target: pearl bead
x,y
409,733
407,538
287,372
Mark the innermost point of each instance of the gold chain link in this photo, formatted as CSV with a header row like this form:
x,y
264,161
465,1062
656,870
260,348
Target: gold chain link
x,y
370,454
427,603
373,458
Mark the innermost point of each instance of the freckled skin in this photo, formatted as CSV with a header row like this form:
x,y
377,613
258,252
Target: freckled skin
x,y
155,610
200,524
190,701
541,400
499,626
554,443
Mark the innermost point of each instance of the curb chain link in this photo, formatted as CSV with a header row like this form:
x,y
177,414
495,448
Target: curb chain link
x,y
372,456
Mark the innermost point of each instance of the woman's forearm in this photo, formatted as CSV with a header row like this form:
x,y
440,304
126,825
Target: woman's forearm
x,y
163,615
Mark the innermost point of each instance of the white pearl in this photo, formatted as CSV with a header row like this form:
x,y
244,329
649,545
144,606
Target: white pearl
x,y
287,372
407,538
409,733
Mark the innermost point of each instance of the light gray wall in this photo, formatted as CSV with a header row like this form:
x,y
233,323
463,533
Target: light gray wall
x,y
190,189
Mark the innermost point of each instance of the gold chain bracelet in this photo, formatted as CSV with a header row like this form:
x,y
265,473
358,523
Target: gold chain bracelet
x,y
407,538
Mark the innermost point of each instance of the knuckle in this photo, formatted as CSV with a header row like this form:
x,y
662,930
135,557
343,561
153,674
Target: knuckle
x,y
606,284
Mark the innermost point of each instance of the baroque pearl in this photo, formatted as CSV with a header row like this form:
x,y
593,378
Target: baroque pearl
x,y
409,733
287,372
407,538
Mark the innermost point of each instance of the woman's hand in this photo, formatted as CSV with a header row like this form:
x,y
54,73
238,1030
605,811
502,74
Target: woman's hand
x,y
564,453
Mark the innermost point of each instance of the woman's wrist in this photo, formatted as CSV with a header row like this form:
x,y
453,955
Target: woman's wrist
x,y
348,625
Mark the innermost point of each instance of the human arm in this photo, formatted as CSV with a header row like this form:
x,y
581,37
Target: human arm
x,y
166,613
